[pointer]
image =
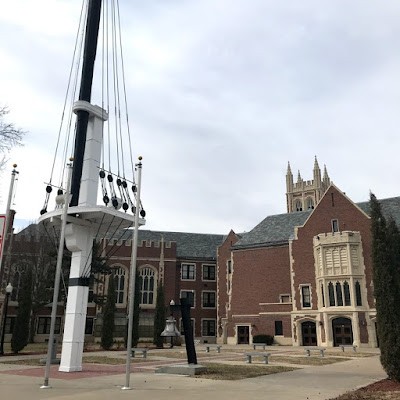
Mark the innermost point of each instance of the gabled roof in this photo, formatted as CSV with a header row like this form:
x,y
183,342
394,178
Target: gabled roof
x,y
188,245
274,229
277,229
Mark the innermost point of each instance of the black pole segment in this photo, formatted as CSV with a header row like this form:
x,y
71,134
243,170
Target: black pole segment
x,y
89,56
187,327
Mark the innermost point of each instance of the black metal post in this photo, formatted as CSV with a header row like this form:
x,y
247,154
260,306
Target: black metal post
x,y
89,56
3,330
188,330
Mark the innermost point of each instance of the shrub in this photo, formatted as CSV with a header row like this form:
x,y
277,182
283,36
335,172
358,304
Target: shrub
x,y
268,339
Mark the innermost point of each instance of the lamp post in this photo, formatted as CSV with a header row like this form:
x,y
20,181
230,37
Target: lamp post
x,y
9,290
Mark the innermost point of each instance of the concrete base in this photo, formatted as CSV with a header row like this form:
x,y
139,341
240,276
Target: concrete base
x,y
184,369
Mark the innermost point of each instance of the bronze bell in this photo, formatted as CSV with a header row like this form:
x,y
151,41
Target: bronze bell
x,y
170,328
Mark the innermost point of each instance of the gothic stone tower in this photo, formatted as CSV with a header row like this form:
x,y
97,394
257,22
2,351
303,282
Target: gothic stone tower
x,y
304,195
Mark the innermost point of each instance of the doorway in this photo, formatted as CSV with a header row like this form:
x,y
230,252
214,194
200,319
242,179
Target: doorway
x,y
309,333
243,334
342,331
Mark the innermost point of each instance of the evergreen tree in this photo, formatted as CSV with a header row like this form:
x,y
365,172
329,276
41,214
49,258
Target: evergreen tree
x,y
107,333
159,318
386,262
20,335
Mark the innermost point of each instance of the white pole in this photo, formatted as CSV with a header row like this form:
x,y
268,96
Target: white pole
x,y
57,280
7,222
132,278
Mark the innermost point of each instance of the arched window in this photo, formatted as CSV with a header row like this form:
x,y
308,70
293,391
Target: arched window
x,y
331,295
346,288
358,294
119,282
147,286
310,203
339,295
298,206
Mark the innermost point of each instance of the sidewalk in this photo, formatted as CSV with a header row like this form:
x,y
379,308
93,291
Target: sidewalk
x,y
312,383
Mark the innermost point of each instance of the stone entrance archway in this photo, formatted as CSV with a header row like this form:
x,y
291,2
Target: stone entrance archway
x,y
342,331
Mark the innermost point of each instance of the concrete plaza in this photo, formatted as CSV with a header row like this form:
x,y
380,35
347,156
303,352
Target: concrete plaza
x,y
105,382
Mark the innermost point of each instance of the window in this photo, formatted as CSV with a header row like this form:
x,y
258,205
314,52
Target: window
x,y
119,282
208,272
335,225
208,299
89,325
284,298
146,284
229,266
310,203
188,272
358,294
189,295
91,289
332,302
306,296
43,326
278,328
322,295
208,327
346,288
297,205
181,326
339,296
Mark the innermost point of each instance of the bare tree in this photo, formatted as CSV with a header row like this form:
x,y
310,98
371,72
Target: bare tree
x,y
10,136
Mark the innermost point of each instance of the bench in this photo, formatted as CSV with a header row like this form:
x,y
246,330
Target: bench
x,y
213,346
321,350
349,346
255,345
264,355
141,350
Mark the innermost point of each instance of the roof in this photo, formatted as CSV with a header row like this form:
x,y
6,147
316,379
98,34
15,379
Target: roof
x,y
188,245
277,229
390,208
274,229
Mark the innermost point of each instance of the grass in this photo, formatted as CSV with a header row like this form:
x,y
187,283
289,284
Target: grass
x,y
236,372
307,360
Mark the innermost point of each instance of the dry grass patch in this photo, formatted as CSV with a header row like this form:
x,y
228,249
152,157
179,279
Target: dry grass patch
x,y
307,360
236,372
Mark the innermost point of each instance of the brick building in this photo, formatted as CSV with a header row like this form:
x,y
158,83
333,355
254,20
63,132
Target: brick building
x,y
184,262
304,277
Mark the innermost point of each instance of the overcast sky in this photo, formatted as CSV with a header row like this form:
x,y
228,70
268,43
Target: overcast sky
x,y
222,94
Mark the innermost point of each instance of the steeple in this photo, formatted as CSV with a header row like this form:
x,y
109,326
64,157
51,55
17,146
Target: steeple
x,y
298,177
289,179
317,173
326,180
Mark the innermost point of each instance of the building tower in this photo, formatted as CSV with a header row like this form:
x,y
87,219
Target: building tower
x,y
304,195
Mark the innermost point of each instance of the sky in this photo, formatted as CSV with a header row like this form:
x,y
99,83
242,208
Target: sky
x,y
222,95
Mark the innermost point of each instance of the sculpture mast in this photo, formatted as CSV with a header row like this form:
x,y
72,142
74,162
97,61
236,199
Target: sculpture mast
x,y
89,56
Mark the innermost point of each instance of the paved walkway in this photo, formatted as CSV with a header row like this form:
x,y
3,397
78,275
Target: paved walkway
x,y
105,382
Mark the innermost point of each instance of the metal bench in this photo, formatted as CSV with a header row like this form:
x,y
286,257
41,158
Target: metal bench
x,y
213,346
321,350
255,345
264,355
139,350
348,346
